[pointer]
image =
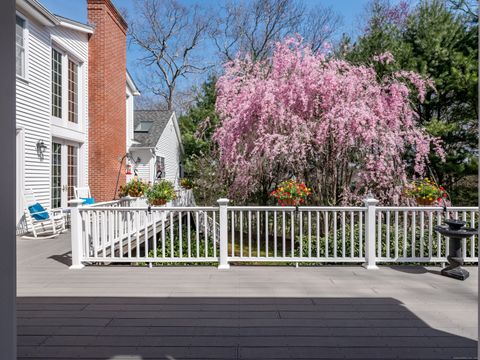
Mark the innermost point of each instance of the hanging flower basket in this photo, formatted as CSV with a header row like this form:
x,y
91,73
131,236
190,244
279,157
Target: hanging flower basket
x,y
158,202
425,202
291,193
426,192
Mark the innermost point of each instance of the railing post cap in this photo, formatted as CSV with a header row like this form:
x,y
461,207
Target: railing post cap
x,y
223,201
370,201
75,202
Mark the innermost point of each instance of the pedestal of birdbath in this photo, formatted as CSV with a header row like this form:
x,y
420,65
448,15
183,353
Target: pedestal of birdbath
x,y
456,231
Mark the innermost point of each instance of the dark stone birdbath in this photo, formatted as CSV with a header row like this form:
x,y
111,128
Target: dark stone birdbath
x,y
455,231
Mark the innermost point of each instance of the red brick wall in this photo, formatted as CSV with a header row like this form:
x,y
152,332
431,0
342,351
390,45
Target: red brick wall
x,y
107,107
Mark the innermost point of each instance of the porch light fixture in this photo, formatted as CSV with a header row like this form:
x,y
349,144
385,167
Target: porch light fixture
x,y
41,148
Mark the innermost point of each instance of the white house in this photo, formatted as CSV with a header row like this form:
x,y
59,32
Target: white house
x,y
157,146
52,106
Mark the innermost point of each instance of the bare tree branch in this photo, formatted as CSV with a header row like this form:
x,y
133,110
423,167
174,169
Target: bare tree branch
x,y
170,34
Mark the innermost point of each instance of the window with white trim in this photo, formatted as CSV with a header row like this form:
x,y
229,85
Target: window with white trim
x,y
20,47
159,168
72,91
56,83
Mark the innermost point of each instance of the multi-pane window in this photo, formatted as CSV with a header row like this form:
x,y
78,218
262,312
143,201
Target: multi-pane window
x,y
72,91
56,175
20,47
72,166
160,167
56,83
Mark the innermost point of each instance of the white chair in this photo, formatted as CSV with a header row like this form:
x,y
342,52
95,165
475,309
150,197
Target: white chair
x,y
82,192
47,228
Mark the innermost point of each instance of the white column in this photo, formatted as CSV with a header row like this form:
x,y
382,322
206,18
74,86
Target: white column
x,y
76,234
370,238
223,219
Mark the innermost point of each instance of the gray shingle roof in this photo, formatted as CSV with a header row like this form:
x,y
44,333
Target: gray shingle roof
x,y
160,120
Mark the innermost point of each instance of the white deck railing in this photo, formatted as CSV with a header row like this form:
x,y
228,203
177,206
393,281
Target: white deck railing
x,y
129,231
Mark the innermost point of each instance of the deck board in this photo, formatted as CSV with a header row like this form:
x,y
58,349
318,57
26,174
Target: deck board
x,y
254,312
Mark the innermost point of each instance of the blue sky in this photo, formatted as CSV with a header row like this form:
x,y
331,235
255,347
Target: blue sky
x,y
350,10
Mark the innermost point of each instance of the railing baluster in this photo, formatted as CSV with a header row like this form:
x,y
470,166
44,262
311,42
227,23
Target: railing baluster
x,y
180,234
387,235
292,233
232,217
214,215
197,234
283,234
405,237
249,233
154,226
335,249
414,228
352,231
318,233
309,234
189,234
325,219
439,244
164,215
430,234
422,233
146,234
104,225
275,234
300,232
379,233
447,243
172,235
129,234
343,235
266,233
360,237
241,233
464,241
472,239
137,234
258,233
205,223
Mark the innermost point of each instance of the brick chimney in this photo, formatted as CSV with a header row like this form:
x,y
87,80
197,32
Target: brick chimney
x,y
107,98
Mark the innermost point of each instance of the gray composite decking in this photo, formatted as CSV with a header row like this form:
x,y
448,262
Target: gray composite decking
x,y
324,312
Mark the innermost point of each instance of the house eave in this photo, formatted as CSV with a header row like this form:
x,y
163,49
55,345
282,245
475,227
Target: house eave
x,y
131,84
37,11
75,25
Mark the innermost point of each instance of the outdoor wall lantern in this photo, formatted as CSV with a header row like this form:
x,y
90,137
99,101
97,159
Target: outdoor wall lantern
x,y
41,148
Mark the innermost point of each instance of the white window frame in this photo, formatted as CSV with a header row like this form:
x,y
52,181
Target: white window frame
x,y
26,37
63,122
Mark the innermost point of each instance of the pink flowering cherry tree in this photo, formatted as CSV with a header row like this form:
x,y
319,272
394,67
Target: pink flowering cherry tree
x,y
337,126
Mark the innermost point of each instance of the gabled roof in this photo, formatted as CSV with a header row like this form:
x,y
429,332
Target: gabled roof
x,y
159,120
35,9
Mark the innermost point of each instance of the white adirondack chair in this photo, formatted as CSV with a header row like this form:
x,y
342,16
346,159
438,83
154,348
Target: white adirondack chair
x,y
82,192
42,229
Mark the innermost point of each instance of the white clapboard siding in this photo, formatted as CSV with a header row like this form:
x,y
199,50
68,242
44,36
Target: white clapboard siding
x,y
169,147
33,110
144,167
33,102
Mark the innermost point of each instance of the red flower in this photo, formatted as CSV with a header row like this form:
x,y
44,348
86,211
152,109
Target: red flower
x,y
444,194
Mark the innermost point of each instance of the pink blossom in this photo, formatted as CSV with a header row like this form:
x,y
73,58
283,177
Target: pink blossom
x,y
299,108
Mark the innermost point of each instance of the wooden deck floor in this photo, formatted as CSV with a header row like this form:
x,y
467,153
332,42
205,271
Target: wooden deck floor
x,y
243,313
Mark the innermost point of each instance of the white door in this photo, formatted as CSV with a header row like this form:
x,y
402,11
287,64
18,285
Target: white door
x,y
64,172
20,165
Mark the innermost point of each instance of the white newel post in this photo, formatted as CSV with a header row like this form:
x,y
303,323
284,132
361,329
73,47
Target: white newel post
x,y
76,233
223,261
370,238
